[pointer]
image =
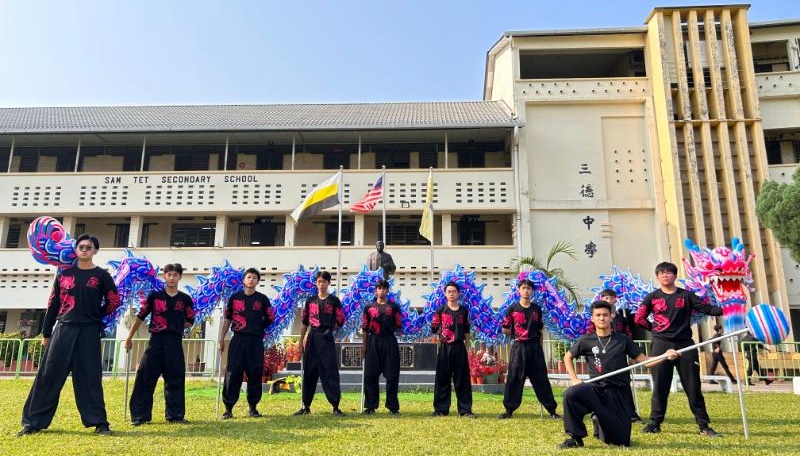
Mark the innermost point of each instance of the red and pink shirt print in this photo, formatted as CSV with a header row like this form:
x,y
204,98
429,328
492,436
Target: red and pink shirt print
x,y
323,314
168,314
382,319
525,323
451,325
249,314
80,296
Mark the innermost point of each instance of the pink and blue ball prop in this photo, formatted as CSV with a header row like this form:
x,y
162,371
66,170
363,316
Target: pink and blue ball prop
x,y
768,324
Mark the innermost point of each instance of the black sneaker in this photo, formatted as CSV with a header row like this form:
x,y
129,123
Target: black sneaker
x,y
469,415
302,411
394,412
651,428
227,415
337,412
102,429
504,416
253,413
439,414
178,421
369,411
554,416
768,381
714,382
27,430
571,443
734,382
708,432
636,418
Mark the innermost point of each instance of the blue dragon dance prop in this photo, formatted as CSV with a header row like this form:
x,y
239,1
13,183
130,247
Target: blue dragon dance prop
x,y
560,316
135,278
297,287
50,243
630,289
218,286
722,277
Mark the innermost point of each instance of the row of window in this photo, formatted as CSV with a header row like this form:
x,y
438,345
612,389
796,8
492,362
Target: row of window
x,y
469,154
264,233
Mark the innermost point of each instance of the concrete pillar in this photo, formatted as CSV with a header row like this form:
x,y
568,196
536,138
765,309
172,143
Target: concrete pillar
x,y
135,231
5,222
358,230
69,223
221,230
289,232
447,229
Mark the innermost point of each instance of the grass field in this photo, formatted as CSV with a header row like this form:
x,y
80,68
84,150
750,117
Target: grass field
x,y
774,422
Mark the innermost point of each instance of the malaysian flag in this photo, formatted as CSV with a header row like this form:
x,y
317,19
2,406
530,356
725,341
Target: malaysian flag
x,y
370,199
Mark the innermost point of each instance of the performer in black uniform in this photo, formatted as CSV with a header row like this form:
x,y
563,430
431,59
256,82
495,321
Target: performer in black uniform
x,y
323,313
380,321
605,351
672,309
81,296
171,311
248,313
451,323
523,319
718,358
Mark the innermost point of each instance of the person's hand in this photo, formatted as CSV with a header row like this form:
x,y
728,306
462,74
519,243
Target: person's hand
x,y
575,381
672,354
717,350
221,346
128,344
45,341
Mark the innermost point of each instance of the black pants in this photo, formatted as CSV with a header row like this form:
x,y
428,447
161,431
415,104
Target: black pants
x,y
382,357
719,358
752,364
76,349
245,355
319,363
527,361
452,364
164,356
688,367
610,405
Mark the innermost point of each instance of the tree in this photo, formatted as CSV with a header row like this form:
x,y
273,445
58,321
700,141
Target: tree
x,y
778,208
532,262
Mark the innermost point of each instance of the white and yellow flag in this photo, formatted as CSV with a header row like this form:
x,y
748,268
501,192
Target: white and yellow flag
x,y
426,226
324,196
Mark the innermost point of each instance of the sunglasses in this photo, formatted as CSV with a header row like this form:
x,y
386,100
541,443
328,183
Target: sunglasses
x,y
84,247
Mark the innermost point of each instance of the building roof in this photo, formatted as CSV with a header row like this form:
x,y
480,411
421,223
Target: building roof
x,y
292,117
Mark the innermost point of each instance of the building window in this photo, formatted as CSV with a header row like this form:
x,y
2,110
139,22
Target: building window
x,y
393,159
28,159
332,232
773,152
428,159
262,233
5,154
12,241
471,230
3,318
796,149
122,232
80,228
192,235
337,155
144,240
403,233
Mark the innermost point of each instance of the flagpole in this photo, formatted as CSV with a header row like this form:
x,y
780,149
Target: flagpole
x,y
385,194
339,237
433,235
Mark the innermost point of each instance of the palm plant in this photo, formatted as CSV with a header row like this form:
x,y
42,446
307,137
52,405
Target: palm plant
x,y
534,263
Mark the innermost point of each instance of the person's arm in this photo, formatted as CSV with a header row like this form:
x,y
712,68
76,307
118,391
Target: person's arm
x,y
303,340
132,332
645,309
188,312
505,325
337,308
573,376
436,323
111,294
703,307
226,325
53,306
269,314
466,341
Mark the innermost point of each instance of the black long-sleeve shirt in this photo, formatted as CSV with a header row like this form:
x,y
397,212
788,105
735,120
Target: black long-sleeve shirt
x,y
525,323
249,314
451,325
323,314
672,313
80,297
382,319
169,313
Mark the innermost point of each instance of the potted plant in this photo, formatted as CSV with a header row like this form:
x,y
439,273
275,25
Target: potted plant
x,y
293,352
475,367
489,367
274,360
502,366
559,349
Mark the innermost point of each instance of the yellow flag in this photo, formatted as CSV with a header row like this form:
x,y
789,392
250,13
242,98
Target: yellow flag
x,y
426,226
324,196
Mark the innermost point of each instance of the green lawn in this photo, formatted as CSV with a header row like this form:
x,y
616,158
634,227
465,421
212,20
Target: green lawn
x,y
774,422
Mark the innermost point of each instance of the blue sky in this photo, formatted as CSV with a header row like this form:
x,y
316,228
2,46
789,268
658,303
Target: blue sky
x,y
112,52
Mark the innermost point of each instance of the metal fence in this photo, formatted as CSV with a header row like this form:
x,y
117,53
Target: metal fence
x,y
775,362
